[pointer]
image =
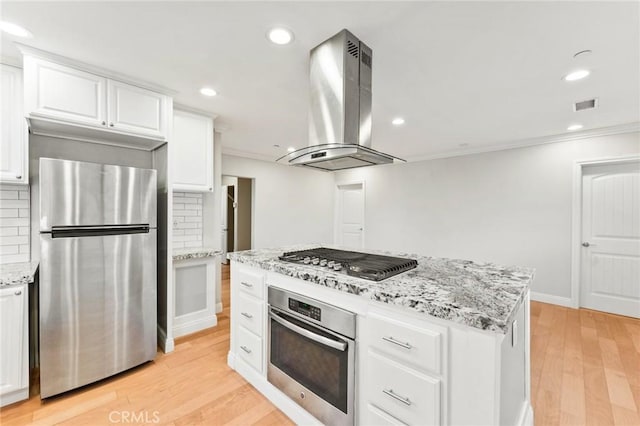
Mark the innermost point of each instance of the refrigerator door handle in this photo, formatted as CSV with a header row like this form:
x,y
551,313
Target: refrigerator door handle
x,y
96,231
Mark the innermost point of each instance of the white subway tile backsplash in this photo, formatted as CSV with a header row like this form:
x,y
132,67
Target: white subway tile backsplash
x,y
187,220
14,224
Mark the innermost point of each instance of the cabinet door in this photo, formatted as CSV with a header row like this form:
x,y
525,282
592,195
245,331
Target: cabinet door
x,y
63,93
136,110
12,332
13,140
192,152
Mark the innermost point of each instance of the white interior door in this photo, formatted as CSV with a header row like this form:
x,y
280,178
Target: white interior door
x,y
610,274
350,216
224,222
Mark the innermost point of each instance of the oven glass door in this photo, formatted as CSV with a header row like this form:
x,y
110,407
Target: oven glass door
x,y
311,356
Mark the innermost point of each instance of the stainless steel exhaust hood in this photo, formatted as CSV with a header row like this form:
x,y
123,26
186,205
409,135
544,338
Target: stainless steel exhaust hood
x,y
340,109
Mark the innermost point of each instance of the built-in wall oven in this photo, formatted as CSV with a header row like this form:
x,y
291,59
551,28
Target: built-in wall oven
x,y
312,355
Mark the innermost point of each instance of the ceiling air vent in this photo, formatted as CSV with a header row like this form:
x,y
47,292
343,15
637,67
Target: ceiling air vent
x,y
582,105
352,48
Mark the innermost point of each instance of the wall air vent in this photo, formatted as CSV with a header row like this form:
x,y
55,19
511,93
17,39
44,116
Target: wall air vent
x,y
588,104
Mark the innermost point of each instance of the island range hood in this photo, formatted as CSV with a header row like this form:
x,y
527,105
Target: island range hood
x,y
340,110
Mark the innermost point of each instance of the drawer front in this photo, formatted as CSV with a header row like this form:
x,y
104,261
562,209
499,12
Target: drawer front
x,y
250,313
373,416
418,347
405,394
250,348
251,282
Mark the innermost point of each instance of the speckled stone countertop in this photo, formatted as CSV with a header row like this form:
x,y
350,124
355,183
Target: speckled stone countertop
x,y
480,295
194,253
17,273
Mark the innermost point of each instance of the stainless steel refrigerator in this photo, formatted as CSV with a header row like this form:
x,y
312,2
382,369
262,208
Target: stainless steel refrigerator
x,y
97,292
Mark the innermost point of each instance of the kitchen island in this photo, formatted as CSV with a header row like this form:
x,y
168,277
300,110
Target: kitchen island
x,y
444,343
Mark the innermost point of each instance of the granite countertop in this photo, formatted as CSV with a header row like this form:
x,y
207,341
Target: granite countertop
x,y
194,253
17,273
481,295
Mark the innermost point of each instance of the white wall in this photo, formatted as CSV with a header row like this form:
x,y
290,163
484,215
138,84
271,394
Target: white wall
x,y
511,207
291,205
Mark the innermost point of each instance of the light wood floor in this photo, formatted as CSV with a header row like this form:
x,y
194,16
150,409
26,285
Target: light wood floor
x,y
585,370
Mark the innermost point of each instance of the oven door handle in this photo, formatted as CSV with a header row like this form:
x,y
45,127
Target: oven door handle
x,y
341,346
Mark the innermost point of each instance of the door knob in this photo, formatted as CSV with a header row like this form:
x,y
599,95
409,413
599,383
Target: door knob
x,y
585,244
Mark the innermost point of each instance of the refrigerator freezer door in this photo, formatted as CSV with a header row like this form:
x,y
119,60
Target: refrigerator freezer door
x,y
74,193
97,307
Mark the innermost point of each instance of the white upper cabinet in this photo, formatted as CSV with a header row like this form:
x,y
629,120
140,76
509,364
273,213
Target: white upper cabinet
x,y
136,110
62,99
64,93
192,152
13,138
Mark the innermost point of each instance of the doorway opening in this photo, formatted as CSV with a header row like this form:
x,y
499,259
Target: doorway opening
x,y
349,215
237,214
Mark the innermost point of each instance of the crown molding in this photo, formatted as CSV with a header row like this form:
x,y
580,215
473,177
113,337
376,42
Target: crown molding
x,y
42,54
245,154
186,108
564,137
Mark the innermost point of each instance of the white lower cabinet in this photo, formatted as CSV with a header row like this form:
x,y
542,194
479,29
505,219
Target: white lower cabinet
x,y
248,316
194,295
14,349
405,394
250,348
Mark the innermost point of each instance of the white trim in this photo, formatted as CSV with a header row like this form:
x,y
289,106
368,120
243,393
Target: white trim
x,y
63,60
576,217
251,155
566,137
167,345
551,298
219,307
185,108
337,206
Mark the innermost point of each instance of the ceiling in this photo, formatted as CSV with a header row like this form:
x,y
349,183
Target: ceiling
x,y
466,76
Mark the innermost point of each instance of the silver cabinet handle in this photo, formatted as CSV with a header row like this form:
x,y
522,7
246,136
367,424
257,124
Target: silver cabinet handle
x,y
18,292
18,177
104,123
394,395
110,124
405,345
246,315
246,284
587,244
246,349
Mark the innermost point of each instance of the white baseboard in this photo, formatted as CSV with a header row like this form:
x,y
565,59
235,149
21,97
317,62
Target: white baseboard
x,y
167,345
550,298
14,396
193,326
219,307
526,415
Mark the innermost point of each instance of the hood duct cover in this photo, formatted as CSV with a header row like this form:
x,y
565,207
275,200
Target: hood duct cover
x,y
340,109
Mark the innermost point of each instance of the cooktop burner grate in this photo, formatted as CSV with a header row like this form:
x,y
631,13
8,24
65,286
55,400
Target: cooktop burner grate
x,y
373,267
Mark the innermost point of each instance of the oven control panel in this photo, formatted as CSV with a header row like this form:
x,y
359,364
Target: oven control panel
x,y
305,309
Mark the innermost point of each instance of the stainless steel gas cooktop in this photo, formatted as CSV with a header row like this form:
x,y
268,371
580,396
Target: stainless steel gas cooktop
x,y
372,267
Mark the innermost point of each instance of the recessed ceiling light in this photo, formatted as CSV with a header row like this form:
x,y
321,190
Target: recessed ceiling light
x,y
576,75
14,29
280,36
291,149
397,121
574,127
207,91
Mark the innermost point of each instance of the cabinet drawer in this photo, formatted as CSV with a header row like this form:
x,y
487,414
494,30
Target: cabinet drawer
x,y
250,348
251,282
250,313
408,395
374,416
419,347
